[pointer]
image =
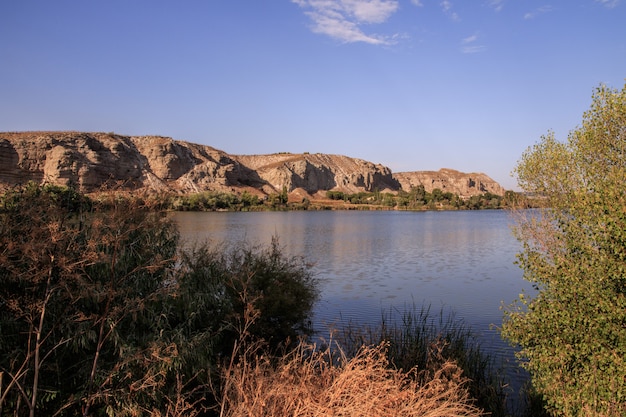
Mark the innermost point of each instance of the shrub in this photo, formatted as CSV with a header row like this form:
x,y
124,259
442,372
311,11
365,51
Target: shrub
x,y
101,314
282,290
572,333
76,287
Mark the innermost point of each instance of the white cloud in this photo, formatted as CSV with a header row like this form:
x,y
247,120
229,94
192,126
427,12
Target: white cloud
x,y
538,11
469,46
344,19
608,3
446,6
418,3
473,49
470,39
497,5
372,11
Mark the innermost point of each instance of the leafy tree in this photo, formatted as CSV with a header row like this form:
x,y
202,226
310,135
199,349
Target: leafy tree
x,y
572,333
418,194
335,195
284,195
249,200
437,195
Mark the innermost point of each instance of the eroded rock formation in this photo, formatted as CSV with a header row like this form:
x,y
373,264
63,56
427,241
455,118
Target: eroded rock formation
x,y
93,161
449,180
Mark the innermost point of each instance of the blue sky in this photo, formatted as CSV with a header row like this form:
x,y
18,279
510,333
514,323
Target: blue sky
x,y
413,85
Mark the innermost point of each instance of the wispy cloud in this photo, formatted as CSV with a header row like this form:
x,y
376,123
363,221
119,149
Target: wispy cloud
x,y
345,19
538,11
418,3
446,6
497,5
608,3
470,39
469,45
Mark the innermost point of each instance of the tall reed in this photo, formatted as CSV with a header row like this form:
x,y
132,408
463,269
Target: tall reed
x,y
418,338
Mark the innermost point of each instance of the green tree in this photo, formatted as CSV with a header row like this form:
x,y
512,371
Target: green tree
x,y
335,195
249,200
572,332
284,196
437,195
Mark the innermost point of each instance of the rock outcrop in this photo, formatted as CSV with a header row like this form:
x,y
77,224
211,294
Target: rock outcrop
x,y
449,180
315,172
93,161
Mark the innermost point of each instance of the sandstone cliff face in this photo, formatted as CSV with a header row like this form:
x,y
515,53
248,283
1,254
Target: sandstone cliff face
x,y
87,160
96,160
449,180
93,161
314,172
183,166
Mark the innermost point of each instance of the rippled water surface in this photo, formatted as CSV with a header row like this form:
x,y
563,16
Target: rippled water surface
x,y
369,262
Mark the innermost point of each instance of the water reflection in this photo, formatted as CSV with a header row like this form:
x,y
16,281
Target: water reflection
x,y
370,261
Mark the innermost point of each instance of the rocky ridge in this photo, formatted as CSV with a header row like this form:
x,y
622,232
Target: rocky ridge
x,y
93,161
450,180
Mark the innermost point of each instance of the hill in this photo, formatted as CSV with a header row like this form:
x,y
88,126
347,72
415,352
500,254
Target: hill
x,y
93,161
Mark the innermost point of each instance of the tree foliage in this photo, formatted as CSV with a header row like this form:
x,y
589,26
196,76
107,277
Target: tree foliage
x,y
572,333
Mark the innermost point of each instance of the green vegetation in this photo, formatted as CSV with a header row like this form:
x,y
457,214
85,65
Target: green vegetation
x,y
572,334
419,199
415,199
214,201
100,314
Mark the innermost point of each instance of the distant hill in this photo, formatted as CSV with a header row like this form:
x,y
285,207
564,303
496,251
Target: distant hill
x,y
93,161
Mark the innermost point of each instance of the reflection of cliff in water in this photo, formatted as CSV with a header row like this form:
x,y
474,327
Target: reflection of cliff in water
x,y
462,259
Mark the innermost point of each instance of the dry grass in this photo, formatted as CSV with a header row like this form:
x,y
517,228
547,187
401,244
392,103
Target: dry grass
x,y
313,383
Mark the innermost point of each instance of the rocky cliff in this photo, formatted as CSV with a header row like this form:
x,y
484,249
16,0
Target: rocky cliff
x,y
449,180
93,161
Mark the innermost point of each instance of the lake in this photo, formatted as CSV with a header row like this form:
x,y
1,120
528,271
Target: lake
x,y
369,262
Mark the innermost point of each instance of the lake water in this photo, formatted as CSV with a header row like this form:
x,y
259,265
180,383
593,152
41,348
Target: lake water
x,y
369,262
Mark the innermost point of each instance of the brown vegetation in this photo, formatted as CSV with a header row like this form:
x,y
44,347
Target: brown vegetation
x,y
312,382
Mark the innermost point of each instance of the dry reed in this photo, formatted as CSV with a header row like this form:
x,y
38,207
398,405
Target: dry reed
x,y
310,382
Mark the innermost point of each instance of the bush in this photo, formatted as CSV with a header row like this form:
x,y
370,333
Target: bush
x,y
572,333
101,314
280,288
76,287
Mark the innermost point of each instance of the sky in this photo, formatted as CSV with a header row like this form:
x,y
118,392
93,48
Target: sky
x,y
409,84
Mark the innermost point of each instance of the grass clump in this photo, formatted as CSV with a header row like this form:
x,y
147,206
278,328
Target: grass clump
x,y
326,382
418,338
